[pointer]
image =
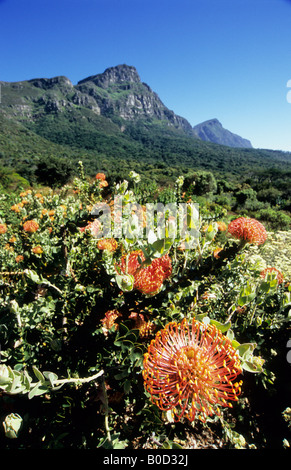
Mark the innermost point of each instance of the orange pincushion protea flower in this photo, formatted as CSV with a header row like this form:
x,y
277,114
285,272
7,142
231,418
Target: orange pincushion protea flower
x,y
279,275
148,279
108,321
37,250
191,369
3,228
145,328
109,244
100,176
30,226
221,226
249,230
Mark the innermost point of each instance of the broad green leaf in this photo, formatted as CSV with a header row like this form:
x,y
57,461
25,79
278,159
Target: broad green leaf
x,y
39,389
38,374
223,327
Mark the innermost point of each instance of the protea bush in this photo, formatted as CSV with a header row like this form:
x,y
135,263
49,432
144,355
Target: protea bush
x,y
133,341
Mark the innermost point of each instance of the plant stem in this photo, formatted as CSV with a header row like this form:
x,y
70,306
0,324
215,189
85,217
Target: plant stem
x,y
106,419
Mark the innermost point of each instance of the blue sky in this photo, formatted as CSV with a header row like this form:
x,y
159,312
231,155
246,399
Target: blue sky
x,y
224,59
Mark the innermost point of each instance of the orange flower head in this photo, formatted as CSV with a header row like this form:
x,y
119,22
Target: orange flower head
x,y
279,275
192,370
30,226
145,328
109,244
100,176
148,279
103,184
221,226
15,208
250,230
3,228
19,258
37,250
108,321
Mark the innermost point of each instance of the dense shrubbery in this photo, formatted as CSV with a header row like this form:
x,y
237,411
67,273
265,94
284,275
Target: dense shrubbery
x,y
78,315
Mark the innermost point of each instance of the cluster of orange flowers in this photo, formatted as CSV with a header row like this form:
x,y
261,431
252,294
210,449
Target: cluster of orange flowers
x,y
249,230
147,279
192,369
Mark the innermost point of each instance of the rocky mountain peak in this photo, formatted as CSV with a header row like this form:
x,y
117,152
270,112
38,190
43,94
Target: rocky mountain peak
x,y
213,131
114,75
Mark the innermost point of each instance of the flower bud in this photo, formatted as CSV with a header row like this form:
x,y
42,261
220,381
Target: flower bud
x,y
12,425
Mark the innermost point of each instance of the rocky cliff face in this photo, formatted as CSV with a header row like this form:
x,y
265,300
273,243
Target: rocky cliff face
x,y
118,92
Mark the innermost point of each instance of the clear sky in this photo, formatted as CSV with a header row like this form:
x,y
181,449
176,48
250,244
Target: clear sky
x,y
224,59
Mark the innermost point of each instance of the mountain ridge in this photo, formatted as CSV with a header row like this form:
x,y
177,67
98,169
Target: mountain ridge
x,y
118,92
119,126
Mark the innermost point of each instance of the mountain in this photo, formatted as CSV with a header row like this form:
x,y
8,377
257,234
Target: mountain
x,y
212,131
117,93
116,122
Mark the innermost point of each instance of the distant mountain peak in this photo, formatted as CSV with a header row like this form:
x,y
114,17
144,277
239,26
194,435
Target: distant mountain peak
x,y
213,131
114,75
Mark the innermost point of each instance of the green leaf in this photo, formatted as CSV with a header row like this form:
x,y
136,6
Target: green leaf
x,y
250,367
38,374
223,327
245,350
39,389
51,376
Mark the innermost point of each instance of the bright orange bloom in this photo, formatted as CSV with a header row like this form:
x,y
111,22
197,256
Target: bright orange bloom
x,y
279,275
15,208
3,228
108,321
103,184
37,250
191,369
107,244
19,258
221,226
100,176
145,328
148,279
248,229
30,226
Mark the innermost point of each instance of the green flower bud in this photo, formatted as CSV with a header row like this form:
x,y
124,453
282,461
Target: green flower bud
x,y
12,425
125,282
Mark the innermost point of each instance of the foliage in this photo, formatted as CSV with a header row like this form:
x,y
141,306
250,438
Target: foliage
x,y
74,330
